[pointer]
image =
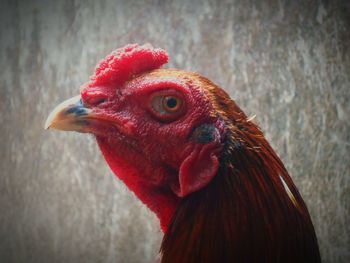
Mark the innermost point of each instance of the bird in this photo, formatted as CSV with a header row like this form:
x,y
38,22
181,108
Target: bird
x,y
194,158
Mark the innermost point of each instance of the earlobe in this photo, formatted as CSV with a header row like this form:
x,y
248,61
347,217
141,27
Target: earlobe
x,y
200,167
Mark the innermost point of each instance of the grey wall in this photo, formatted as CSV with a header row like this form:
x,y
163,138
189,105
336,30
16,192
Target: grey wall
x,y
287,62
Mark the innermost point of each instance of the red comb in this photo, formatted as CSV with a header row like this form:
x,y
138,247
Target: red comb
x,y
124,63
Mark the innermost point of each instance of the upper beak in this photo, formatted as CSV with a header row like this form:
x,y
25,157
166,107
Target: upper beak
x,y
70,115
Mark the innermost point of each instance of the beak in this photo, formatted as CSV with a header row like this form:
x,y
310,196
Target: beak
x,y
70,115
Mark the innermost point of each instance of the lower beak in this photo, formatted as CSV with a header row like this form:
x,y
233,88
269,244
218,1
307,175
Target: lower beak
x,y
70,115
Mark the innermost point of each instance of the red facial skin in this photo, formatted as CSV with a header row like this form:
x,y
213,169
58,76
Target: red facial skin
x,y
151,152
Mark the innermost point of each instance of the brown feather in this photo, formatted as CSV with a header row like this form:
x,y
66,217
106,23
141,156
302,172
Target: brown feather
x,y
247,213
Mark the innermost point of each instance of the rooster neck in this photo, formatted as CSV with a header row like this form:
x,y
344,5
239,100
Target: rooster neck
x,y
246,214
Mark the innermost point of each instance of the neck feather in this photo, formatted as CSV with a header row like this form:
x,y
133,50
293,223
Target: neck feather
x,y
250,212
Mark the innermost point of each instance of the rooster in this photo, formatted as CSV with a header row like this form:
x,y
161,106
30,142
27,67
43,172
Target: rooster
x,y
192,156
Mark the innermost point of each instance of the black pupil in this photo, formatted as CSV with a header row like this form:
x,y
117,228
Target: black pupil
x,y
171,103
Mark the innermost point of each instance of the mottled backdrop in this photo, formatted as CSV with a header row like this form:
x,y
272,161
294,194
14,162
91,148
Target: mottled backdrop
x,y
287,62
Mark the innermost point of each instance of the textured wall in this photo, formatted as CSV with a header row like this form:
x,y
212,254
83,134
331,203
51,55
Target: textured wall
x,y
286,61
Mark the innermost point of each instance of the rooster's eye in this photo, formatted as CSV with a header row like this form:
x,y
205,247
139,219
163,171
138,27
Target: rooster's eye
x,y
169,104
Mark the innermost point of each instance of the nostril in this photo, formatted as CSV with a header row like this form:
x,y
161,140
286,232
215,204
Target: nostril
x,y
99,101
95,96
95,101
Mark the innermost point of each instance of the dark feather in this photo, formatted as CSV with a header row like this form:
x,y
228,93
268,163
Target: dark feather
x,y
246,213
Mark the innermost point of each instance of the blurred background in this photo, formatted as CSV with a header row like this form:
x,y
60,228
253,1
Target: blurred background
x,y
288,62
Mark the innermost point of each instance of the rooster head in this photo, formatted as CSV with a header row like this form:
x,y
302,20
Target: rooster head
x,y
159,130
